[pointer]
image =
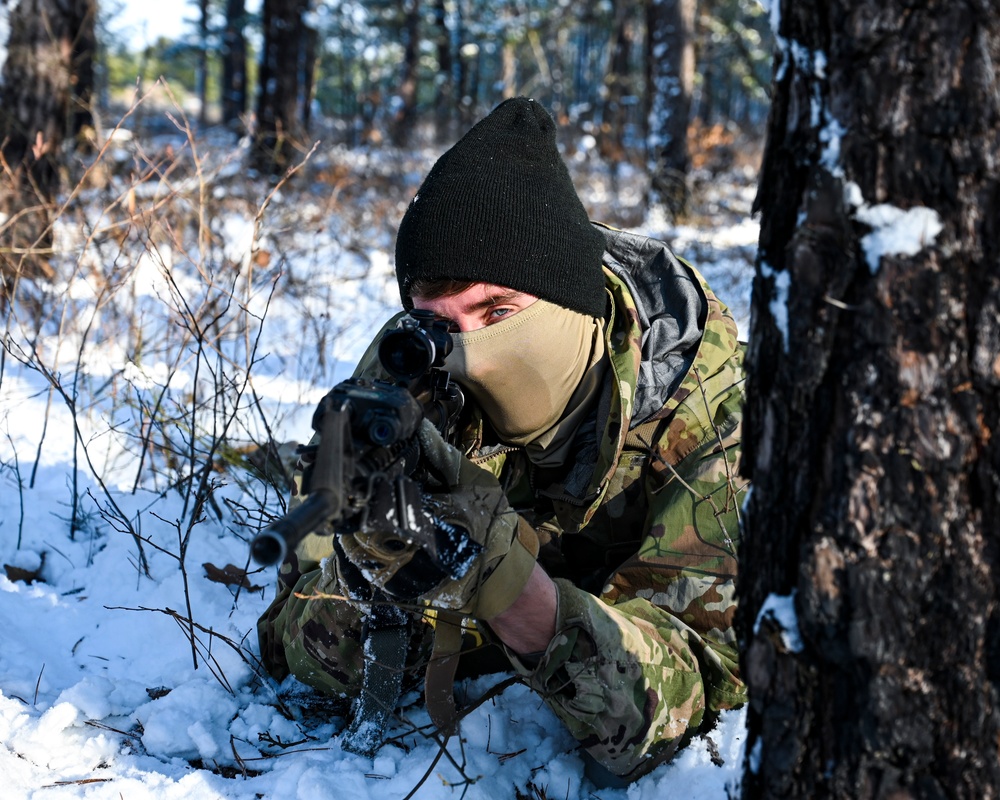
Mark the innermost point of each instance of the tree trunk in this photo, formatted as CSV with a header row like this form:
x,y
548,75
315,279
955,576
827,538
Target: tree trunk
x,y
279,136
234,65
874,408
42,99
83,24
618,83
670,78
467,79
508,56
444,100
202,72
310,45
470,56
404,115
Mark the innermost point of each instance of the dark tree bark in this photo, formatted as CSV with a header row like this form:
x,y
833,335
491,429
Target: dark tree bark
x,y
669,81
83,23
310,44
47,83
234,65
444,100
874,408
405,113
619,84
202,73
468,68
279,137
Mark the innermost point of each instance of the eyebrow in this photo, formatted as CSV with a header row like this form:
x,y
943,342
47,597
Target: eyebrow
x,y
496,299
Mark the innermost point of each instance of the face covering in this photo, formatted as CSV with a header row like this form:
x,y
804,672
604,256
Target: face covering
x,y
532,373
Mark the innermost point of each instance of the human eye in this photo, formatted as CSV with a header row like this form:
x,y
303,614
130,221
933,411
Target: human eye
x,y
498,313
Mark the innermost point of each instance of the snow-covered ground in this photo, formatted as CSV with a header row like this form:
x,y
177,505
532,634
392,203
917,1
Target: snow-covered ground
x,y
126,671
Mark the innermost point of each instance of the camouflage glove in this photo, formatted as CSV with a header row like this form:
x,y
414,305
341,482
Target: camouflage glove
x,y
475,554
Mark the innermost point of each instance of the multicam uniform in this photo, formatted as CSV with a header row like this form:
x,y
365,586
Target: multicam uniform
x,y
640,532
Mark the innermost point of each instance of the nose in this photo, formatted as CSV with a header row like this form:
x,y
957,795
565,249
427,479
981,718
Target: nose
x,y
464,323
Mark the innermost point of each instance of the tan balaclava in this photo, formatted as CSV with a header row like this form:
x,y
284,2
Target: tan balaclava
x,y
534,375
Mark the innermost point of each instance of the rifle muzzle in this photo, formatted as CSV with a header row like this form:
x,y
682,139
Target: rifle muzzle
x,y
272,544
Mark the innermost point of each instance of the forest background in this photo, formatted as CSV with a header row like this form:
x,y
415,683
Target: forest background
x,y
633,77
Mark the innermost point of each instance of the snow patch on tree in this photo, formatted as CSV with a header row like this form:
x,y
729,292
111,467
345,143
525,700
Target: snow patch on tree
x,y
780,608
778,304
895,231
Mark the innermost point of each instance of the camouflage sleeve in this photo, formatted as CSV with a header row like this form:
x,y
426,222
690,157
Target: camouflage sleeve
x,y
633,673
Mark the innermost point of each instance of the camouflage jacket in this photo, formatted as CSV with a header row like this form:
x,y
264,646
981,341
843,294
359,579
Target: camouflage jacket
x,y
641,532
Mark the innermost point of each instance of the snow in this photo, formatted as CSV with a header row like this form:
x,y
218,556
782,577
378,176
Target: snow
x,y
778,304
895,231
773,9
830,136
125,671
780,608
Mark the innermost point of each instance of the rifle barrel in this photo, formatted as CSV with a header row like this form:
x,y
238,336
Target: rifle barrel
x,y
272,544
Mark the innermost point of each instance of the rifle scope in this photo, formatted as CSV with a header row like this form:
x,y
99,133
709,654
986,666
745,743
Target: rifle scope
x,y
419,343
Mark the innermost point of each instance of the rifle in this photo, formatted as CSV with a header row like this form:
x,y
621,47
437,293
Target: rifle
x,y
363,476
363,471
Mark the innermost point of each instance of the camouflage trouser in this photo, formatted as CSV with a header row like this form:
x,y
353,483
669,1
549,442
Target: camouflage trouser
x,y
319,640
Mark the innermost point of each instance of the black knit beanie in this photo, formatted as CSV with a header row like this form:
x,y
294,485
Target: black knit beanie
x,y
499,207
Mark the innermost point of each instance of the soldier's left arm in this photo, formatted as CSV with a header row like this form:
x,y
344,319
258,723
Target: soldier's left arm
x,y
632,673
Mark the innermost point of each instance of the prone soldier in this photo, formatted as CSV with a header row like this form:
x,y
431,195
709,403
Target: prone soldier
x,y
595,466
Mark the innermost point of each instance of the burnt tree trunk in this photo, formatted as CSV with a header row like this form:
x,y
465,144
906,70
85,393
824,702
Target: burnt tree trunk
x,y
45,92
669,81
82,20
404,114
619,85
202,69
444,100
234,65
310,50
874,408
279,135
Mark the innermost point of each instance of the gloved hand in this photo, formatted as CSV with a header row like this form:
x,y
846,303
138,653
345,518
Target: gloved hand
x,y
479,574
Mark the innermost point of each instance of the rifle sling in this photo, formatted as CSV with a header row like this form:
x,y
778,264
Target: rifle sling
x,y
386,641
439,681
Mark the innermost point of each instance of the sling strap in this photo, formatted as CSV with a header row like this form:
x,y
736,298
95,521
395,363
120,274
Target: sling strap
x,y
439,680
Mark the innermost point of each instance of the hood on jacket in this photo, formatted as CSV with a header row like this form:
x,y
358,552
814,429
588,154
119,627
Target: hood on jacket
x,y
671,307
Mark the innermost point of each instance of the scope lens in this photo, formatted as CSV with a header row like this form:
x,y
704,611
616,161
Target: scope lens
x,y
383,431
406,355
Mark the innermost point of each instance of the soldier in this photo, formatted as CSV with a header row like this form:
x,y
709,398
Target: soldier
x,y
598,466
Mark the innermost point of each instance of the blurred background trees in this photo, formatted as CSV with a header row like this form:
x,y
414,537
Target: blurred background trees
x,y
46,85
635,76
639,87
